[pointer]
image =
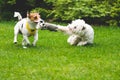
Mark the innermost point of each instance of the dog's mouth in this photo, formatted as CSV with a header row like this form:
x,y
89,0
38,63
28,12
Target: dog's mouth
x,y
36,22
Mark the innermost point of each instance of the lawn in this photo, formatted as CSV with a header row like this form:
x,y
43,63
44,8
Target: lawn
x,y
54,59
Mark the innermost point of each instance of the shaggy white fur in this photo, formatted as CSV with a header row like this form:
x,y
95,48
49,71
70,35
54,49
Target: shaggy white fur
x,y
80,33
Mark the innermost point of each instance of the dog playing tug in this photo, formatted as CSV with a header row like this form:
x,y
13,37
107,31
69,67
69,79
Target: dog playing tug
x,y
80,33
27,27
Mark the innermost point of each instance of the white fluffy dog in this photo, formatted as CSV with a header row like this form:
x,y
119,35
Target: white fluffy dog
x,y
80,33
27,27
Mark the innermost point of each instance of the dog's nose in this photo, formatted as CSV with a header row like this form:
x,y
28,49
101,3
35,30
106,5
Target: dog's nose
x,y
41,21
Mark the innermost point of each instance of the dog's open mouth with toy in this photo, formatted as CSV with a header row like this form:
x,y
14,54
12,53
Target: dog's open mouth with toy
x,y
28,27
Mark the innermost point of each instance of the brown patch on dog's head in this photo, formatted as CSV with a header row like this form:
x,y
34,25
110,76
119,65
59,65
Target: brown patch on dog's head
x,y
35,17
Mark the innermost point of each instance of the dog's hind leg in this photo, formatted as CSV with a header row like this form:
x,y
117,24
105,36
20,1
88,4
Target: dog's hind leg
x,y
16,31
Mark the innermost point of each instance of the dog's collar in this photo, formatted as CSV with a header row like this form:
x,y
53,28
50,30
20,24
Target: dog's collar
x,y
31,31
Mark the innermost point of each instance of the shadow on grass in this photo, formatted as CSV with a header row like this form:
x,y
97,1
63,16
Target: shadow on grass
x,y
37,47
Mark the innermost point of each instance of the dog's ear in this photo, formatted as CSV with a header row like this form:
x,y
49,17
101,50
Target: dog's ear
x,y
28,13
39,14
83,28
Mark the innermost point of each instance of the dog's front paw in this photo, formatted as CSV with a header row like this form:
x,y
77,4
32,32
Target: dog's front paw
x,y
28,44
24,47
33,44
15,42
81,43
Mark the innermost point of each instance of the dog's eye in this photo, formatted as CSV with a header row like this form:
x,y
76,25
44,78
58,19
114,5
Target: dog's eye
x,y
35,17
75,27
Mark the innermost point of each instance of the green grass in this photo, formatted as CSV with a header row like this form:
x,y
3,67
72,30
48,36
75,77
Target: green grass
x,y
54,59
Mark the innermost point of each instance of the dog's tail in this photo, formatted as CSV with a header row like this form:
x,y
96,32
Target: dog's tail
x,y
17,14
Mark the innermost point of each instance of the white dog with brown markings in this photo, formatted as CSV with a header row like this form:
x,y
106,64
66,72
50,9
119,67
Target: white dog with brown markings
x,y
27,27
80,33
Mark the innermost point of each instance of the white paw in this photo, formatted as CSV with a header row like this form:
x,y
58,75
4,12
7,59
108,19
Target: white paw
x,y
24,47
81,43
